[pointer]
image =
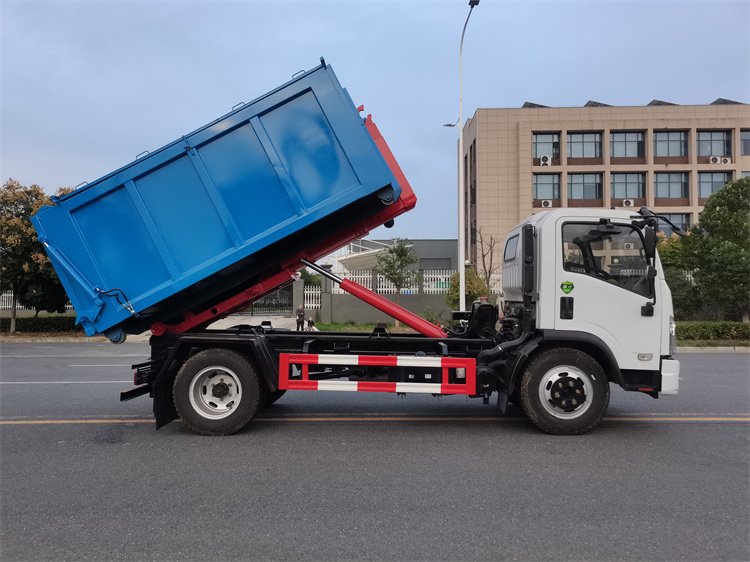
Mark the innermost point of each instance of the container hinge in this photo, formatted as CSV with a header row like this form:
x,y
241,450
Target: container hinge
x,y
116,293
188,148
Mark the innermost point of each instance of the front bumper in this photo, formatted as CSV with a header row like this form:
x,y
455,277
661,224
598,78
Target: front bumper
x,y
670,376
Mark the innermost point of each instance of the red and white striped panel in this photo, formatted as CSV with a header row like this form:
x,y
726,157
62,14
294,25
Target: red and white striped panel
x,y
286,360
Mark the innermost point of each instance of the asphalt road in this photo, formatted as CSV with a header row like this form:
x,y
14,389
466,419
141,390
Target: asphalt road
x,y
345,476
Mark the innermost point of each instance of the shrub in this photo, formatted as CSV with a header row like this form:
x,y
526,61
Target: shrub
x,y
713,331
45,324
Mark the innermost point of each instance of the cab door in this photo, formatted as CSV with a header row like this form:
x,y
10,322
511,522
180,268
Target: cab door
x,y
604,289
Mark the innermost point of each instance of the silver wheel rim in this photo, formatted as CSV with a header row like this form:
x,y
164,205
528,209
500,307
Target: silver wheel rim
x,y
215,392
568,385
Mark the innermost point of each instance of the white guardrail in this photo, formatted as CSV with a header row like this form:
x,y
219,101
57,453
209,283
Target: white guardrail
x,y
6,302
430,282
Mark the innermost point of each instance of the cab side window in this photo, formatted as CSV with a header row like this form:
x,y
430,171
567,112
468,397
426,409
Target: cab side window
x,y
611,253
510,249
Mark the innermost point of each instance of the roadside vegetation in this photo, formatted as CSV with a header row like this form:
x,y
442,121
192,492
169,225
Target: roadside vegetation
x,y
25,268
708,270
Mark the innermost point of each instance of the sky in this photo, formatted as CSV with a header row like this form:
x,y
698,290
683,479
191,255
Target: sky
x,y
87,86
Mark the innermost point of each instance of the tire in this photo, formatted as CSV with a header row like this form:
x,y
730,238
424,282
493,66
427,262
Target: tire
x,y
564,391
272,397
217,392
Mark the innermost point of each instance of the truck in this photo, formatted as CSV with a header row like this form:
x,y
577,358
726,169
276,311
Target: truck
x,y
204,226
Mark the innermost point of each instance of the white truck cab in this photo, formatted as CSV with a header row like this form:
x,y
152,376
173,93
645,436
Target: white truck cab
x,y
585,289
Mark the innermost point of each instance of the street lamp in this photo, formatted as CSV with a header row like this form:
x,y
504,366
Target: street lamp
x,y
461,186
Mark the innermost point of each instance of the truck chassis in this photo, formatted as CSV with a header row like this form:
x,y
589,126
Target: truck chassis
x,y
218,380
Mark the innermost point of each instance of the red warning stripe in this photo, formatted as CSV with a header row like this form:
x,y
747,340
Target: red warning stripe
x,y
304,360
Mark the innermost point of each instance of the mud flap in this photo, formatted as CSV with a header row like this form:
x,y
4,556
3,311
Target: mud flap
x,y
164,410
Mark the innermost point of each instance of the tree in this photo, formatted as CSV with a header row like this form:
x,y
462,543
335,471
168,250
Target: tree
x,y
310,279
475,288
44,291
394,264
487,264
22,257
686,295
717,249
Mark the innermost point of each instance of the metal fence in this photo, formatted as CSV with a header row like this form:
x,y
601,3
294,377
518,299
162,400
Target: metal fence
x,y
363,277
430,282
6,302
277,303
436,281
312,297
433,282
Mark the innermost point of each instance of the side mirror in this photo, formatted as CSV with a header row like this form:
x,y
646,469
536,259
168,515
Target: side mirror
x,y
649,243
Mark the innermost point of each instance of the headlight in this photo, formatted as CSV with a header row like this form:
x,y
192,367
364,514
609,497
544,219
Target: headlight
x,y
672,336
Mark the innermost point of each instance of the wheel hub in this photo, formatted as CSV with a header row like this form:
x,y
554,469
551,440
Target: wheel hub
x,y
215,392
220,389
567,393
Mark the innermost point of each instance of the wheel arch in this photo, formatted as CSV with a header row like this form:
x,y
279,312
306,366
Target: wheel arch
x,y
256,350
551,339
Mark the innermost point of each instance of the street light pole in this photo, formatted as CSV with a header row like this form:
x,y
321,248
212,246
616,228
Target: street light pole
x,y
461,173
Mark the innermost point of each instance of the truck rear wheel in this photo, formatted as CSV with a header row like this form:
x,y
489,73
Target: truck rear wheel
x,y
217,392
564,391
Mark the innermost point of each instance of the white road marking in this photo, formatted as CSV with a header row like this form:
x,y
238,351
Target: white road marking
x,y
98,365
71,356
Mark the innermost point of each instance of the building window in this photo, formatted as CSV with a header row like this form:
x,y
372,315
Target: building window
x,y
678,219
584,145
546,186
628,186
711,182
714,143
584,186
745,142
745,174
627,144
546,144
671,185
670,143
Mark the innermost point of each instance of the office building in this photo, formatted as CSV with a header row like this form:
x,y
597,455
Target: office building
x,y
668,157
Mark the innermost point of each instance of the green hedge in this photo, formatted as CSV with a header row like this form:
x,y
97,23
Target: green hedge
x,y
685,330
47,324
713,331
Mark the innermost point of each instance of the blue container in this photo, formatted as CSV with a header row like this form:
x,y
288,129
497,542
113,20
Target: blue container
x,y
205,216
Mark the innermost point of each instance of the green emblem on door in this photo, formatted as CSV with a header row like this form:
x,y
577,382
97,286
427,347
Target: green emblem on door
x,y
567,287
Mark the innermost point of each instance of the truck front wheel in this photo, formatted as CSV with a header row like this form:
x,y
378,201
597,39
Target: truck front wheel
x,y
564,391
217,392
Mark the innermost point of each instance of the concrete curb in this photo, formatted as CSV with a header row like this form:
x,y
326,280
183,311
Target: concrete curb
x,y
735,349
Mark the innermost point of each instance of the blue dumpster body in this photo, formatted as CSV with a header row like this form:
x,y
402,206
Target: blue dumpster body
x,y
209,214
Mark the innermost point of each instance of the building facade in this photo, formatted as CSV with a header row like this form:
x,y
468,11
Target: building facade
x,y
668,157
